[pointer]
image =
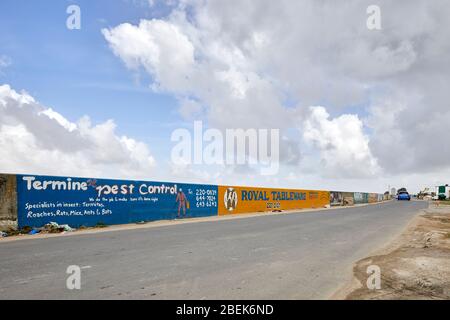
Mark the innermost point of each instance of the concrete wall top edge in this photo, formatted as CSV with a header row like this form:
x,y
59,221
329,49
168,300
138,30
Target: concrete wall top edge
x,y
175,182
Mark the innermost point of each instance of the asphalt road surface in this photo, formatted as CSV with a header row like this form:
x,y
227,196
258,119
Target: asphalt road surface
x,y
284,256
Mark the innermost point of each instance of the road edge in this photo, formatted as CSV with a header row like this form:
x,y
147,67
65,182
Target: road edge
x,y
166,223
388,247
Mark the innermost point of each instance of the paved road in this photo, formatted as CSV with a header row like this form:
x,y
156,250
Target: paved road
x,y
291,256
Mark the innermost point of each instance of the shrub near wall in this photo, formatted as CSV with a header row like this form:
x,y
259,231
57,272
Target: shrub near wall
x,y
237,200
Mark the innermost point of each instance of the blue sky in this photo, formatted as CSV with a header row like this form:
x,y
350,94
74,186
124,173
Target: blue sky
x,y
74,71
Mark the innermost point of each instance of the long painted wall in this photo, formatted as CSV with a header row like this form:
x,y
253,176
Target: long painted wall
x,y
38,200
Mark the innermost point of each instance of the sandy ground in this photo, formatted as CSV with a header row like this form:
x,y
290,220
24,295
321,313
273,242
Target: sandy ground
x,y
415,266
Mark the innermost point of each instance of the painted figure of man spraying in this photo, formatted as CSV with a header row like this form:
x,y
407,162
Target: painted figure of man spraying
x,y
181,199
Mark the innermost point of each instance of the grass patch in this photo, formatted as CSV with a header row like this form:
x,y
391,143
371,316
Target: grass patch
x,y
101,224
12,232
26,229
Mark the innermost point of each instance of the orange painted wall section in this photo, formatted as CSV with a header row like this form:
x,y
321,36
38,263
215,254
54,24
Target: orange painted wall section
x,y
236,200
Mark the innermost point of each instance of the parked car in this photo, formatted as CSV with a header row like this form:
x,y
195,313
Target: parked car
x,y
404,196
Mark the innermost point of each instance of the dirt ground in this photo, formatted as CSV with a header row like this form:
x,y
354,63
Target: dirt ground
x,y
415,266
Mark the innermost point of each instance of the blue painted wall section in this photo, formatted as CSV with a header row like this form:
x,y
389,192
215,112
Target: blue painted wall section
x,y
82,201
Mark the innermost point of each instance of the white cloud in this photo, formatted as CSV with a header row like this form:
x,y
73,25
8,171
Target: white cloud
x,y
241,60
344,148
160,47
190,108
36,139
69,126
5,61
186,61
